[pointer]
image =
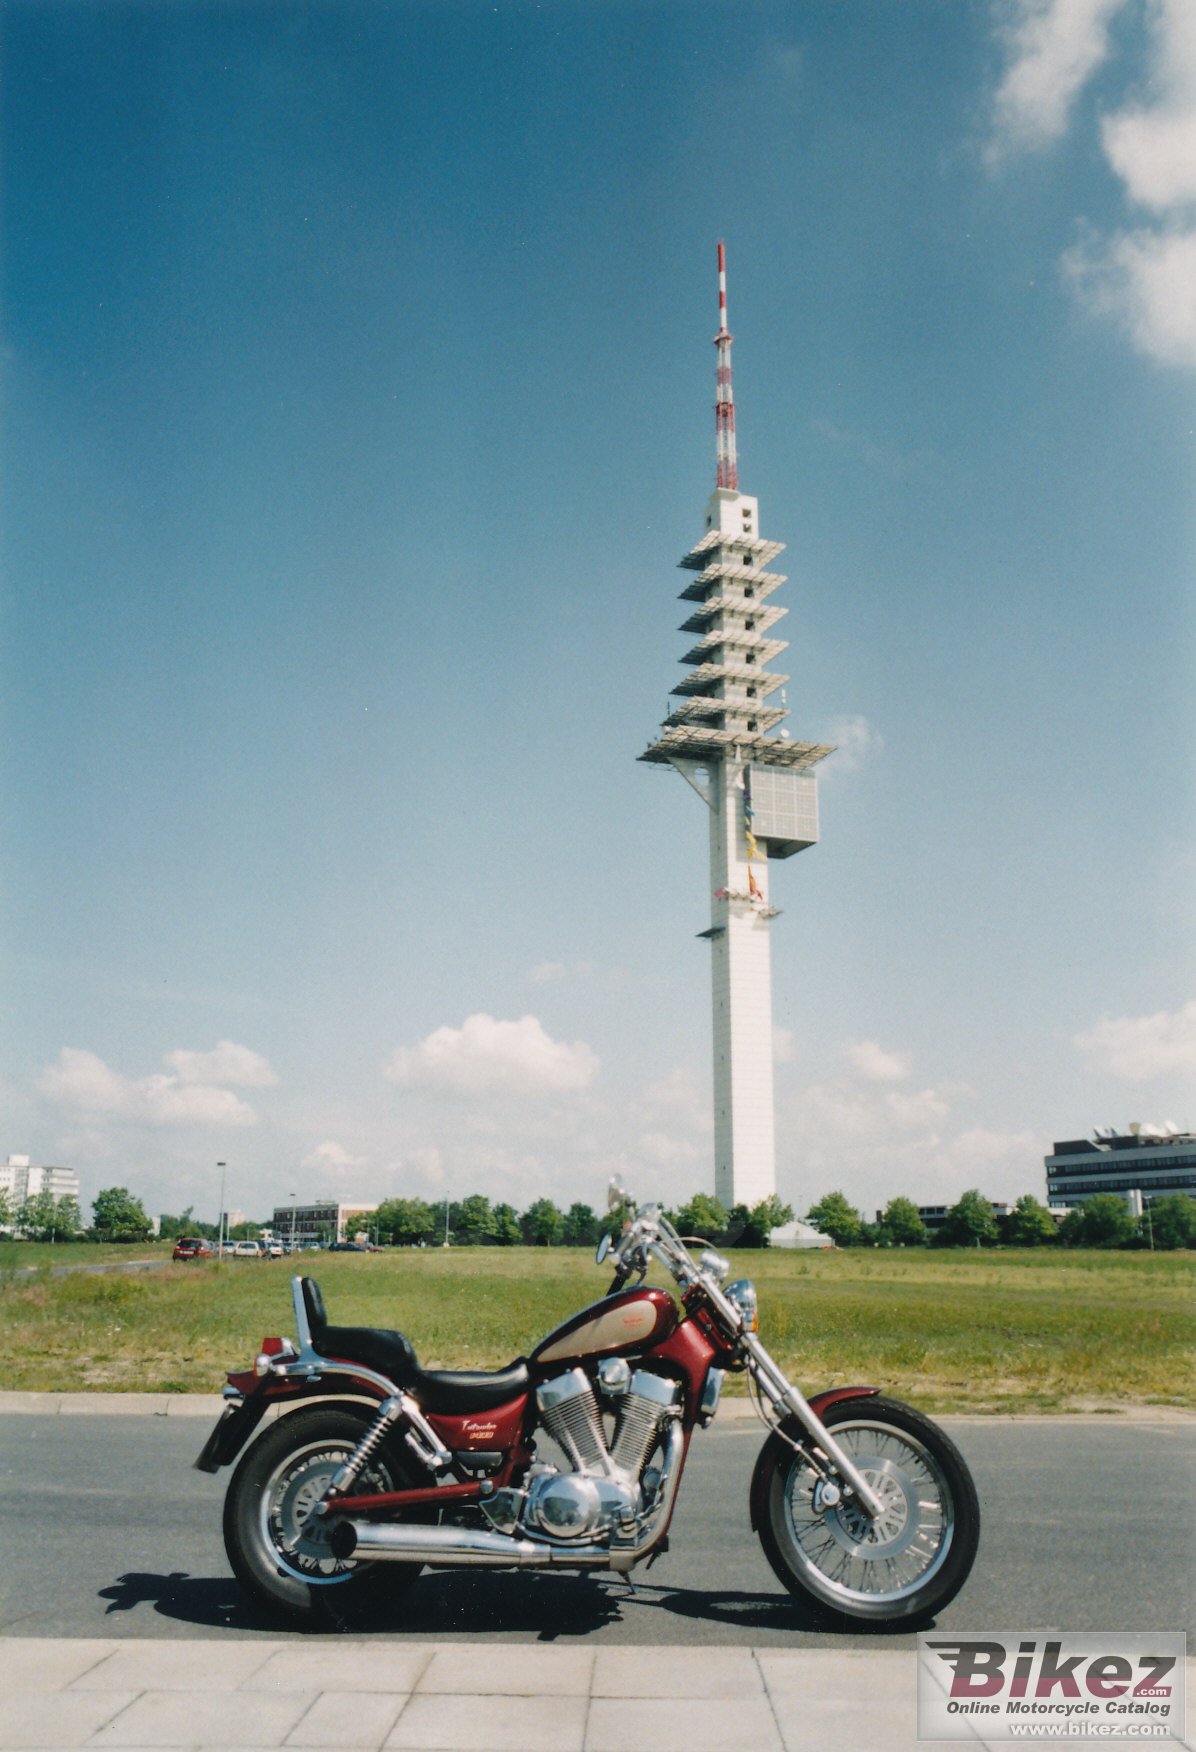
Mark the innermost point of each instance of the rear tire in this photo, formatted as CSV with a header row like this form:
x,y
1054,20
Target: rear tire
x,y
904,1567
280,1557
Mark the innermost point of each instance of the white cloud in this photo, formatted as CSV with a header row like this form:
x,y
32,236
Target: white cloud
x,y
228,1065
1054,47
489,1056
873,1062
667,1150
918,1107
1141,1047
855,742
1146,282
1153,147
81,1082
1142,278
332,1157
545,972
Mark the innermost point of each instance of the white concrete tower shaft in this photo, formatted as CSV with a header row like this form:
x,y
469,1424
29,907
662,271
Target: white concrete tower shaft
x,y
758,788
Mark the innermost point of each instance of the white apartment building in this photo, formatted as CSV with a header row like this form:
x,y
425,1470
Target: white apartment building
x,y
21,1178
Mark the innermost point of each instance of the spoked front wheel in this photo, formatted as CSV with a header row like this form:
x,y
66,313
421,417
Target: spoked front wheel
x,y
903,1566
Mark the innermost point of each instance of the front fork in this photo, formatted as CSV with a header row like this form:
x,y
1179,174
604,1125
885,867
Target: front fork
x,y
784,1394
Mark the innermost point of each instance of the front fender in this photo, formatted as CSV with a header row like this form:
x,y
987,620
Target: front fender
x,y
776,1448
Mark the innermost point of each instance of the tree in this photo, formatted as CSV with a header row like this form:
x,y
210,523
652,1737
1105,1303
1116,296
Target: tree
x,y
581,1226
836,1218
406,1221
753,1227
1104,1221
703,1216
901,1226
507,1232
474,1221
6,1213
38,1218
969,1223
118,1216
1030,1224
542,1224
1172,1220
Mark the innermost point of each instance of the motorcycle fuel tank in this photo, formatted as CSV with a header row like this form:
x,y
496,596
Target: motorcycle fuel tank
x,y
631,1320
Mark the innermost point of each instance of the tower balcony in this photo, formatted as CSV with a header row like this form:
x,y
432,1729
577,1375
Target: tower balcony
x,y
751,579
702,741
763,617
722,714
736,639
761,551
708,676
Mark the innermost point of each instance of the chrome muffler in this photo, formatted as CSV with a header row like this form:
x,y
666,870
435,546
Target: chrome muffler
x,y
386,1542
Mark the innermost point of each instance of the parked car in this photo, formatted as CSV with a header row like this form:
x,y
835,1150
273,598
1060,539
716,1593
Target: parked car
x,y
246,1250
348,1247
191,1247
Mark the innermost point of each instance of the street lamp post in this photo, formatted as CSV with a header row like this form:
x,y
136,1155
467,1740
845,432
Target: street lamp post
x,y
292,1222
220,1240
446,1222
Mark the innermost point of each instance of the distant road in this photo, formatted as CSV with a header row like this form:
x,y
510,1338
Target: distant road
x,y
107,1531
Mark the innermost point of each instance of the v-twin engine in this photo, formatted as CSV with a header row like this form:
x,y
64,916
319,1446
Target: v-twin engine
x,y
607,1487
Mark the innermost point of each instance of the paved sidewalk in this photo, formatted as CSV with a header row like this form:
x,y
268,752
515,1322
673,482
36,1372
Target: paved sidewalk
x,y
319,1692
322,1693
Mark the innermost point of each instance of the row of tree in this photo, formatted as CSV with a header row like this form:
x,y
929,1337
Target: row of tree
x,y
1104,1220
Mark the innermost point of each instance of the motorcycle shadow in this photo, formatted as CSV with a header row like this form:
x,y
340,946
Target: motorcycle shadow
x,y
547,1607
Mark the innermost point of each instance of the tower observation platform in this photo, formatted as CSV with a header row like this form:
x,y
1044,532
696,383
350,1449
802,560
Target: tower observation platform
x,y
759,788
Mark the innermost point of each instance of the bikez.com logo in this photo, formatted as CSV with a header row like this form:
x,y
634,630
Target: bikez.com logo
x,y
1060,1686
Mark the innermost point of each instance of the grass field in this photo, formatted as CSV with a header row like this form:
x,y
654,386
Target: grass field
x,y
953,1331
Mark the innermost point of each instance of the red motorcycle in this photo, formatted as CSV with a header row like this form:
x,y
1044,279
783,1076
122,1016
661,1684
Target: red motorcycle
x,y
572,1457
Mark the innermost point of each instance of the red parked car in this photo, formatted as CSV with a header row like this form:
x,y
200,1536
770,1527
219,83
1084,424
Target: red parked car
x,y
191,1247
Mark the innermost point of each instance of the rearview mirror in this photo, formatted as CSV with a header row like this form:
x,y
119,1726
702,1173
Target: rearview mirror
x,y
602,1249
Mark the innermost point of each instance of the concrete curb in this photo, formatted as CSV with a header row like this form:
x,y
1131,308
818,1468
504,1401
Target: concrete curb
x,y
209,1405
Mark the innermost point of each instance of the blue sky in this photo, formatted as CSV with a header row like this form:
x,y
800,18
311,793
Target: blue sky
x,y
358,390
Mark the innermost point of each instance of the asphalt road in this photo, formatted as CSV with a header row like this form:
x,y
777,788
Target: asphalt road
x,y
106,1531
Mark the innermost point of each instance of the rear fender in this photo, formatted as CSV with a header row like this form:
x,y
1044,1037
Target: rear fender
x,y
776,1448
238,1421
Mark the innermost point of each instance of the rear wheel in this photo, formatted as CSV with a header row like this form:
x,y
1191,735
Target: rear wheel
x,y
278,1549
899,1568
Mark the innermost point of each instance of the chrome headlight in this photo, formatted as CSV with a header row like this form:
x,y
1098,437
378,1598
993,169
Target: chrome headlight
x,y
743,1293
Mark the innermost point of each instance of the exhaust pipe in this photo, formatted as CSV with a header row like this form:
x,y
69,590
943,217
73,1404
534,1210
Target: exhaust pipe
x,y
386,1542
479,1548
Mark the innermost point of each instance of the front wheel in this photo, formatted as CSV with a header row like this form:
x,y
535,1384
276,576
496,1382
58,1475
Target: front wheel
x,y
893,1571
278,1549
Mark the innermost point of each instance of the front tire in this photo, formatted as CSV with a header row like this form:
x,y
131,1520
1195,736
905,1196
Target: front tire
x,y
278,1553
898,1570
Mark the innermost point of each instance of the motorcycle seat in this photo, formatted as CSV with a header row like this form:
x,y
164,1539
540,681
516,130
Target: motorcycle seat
x,y
443,1392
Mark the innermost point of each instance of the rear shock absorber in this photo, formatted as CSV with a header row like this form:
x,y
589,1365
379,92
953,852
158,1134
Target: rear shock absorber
x,y
346,1475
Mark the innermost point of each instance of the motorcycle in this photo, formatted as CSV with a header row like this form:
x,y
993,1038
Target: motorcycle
x,y
572,1457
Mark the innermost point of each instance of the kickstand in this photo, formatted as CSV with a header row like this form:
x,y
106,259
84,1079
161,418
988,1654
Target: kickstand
x,y
658,1552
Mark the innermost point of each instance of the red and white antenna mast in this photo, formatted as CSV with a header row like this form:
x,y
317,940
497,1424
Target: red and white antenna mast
x,y
724,406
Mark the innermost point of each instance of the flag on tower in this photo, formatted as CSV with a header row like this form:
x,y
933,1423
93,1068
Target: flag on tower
x,y
753,886
753,850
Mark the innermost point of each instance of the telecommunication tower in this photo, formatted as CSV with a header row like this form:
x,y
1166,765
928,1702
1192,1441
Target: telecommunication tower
x,y
762,796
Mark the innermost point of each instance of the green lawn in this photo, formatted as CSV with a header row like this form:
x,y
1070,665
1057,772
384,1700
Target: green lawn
x,y
981,1331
